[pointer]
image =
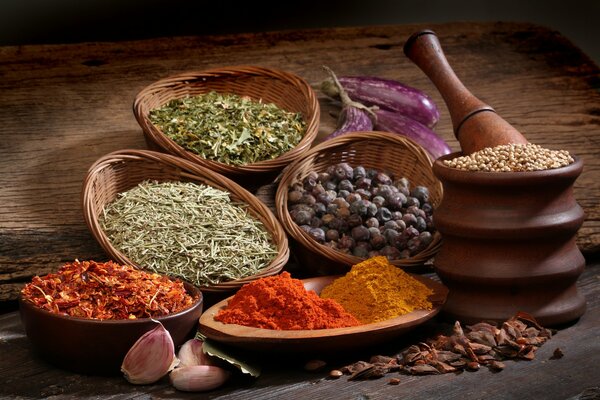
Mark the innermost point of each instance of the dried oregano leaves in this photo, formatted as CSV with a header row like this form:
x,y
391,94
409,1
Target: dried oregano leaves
x,y
228,128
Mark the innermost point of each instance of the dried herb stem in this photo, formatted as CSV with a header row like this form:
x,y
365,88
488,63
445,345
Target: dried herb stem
x,y
187,230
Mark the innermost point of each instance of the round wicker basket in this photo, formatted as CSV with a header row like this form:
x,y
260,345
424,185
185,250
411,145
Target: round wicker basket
x,y
122,170
383,151
284,89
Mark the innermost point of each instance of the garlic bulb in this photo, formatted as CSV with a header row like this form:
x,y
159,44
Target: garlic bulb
x,y
151,357
191,353
198,378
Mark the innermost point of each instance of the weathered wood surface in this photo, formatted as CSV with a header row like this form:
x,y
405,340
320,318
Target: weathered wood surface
x,y
63,106
24,376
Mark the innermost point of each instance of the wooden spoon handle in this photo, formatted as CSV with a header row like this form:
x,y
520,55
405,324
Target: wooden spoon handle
x,y
476,124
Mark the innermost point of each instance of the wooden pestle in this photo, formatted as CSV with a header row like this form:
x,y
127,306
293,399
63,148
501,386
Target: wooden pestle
x,y
476,124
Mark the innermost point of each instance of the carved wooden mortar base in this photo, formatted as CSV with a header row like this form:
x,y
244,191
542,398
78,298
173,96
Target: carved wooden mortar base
x,y
509,244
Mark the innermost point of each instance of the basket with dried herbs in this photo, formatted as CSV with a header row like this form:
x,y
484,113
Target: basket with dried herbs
x,y
166,214
229,128
245,122
187,230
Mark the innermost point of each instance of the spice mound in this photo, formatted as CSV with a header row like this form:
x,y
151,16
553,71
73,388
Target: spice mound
x,y
281,302
191,231
375,290
228,128
512,158
95,290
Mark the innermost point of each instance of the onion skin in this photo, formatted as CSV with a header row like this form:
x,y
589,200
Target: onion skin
x,y
387,94
351,119
394,122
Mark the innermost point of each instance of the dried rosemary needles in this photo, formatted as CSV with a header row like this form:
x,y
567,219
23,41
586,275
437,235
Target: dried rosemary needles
x,y
228,128
187,230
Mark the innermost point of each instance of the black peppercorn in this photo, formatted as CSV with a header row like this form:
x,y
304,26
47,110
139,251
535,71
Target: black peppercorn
x,y
360,233
301,217
363,211
377,241
372,222
421,224
421,193
361,250
345,184
343,171
354,220
383,215
332,234
318,234
409,219
346,242
412,201
294,196
359,172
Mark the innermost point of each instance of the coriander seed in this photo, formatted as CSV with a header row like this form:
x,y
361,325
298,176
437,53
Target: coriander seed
x,y
512,158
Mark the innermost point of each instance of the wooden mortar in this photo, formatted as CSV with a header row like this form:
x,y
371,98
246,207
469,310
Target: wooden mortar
x,y
508,238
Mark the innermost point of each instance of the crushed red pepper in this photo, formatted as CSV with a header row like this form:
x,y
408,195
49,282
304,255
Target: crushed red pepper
x,y
97,290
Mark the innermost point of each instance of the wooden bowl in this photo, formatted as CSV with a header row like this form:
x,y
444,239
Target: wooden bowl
x,y
319,340
269,85
123,170
383,151
98,346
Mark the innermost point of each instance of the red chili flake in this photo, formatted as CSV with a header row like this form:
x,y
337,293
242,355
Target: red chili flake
x,y
95,290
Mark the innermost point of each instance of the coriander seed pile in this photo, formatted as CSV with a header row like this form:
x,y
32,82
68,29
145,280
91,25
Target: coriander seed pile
x,y
191,231
512,158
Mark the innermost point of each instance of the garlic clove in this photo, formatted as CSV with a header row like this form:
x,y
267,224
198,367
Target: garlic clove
x,y
151,357
191,353
198,378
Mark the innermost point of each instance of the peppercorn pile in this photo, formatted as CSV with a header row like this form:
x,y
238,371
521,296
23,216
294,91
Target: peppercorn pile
x,y
363,212
481,344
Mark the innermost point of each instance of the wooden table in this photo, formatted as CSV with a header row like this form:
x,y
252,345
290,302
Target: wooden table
x,y
63,106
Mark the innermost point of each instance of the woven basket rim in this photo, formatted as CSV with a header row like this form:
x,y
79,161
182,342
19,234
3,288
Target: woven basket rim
x,y
288,176
192,171
168,145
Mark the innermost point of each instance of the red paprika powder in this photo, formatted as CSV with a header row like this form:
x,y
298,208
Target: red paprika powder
x,y
282,303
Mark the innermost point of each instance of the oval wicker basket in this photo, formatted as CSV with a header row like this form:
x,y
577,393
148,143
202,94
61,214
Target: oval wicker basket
x,y
122,170
284,89
383,151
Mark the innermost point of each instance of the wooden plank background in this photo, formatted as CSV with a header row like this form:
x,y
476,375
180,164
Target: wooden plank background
x,y
63,106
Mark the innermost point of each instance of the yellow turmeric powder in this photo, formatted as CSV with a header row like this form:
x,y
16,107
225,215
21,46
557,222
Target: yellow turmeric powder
x,y
375,290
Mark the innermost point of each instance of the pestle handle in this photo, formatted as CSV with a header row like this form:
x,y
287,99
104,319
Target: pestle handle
x,y
476,124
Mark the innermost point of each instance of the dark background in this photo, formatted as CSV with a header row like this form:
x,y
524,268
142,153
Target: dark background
x,y
63,21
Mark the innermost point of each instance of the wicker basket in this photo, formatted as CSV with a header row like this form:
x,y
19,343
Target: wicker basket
x,y
123,170
284,89
383,151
